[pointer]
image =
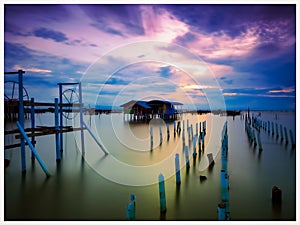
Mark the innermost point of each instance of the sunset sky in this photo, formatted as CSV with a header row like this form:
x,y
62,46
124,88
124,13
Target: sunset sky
x,y
249,49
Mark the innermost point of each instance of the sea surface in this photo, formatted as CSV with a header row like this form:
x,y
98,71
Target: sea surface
x,y
95,186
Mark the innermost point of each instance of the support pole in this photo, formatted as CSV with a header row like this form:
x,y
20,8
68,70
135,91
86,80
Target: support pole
x,y
177,169
57,141
162,193
277,133
168,131
272,128
194,146
60,116
174,128
196,129
21,119
33,149
81,119
32,118
281,132
151,138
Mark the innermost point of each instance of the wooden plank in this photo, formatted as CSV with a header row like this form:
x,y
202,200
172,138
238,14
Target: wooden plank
x,y
7,147
49,132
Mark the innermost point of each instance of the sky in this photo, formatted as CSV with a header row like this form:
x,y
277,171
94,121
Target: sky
x,y
200,55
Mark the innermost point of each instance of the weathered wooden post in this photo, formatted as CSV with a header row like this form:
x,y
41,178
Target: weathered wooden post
x,y
268,126
183,138
286,136
160,135
200,128
211,161
192,131
21,119
177,169
32,118
60,115
162,193
276,195
204,127
292,139
183,126
222,211
272,128
224,185
178,127
130,209
196,129
187,124
57,141
187,158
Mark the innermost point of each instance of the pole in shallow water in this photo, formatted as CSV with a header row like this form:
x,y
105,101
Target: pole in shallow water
x,y
162,193
57,136
151,138
187,158
130,209
177,169
292,139
160,135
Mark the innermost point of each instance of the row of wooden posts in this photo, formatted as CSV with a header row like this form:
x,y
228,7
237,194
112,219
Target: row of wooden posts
x,y
199,133
130,208
223,206
256,124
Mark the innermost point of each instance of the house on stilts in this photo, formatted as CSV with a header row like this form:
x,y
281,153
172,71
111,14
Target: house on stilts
x,y
147,110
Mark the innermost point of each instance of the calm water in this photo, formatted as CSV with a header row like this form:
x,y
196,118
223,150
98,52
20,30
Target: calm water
x,y
98,187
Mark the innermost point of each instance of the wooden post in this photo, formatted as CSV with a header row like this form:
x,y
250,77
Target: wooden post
x,y
204,127
32,118
268,126
182,126
272,128
222,211
276,195
33,149
174,128
187,124
187,158
21,119
177,169
57,142
224,185
162,193
210,159
196,129
130,209
60,116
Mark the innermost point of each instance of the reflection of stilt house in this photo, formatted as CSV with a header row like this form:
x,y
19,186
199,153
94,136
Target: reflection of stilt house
x,y
146,110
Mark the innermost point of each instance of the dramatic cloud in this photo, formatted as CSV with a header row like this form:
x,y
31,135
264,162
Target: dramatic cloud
x,y
245,51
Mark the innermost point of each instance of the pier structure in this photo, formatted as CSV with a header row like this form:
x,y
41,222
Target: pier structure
x,y
23,134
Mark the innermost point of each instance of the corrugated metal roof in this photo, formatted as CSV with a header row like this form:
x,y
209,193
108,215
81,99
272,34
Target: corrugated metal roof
x,y
146,105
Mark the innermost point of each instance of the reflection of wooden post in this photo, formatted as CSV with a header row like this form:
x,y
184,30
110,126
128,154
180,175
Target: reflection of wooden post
x,y
187,158
292,139
277,133
286,136
174,128
276,195
168,131
151,138
177,169
259,141
224,185
281,132
194,146
160,135
162,193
